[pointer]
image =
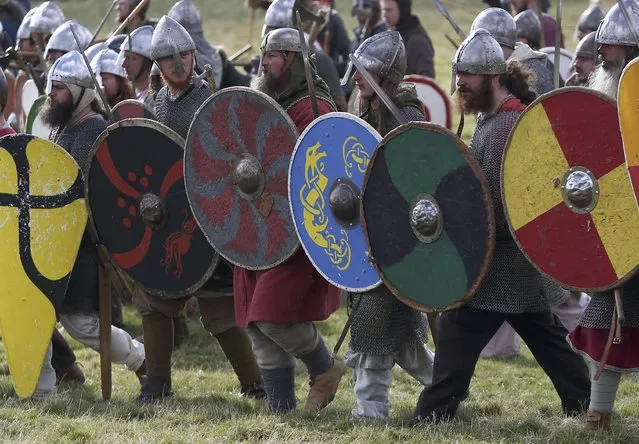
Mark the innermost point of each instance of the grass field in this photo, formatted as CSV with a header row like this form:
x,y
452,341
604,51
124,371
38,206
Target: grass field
x,y
511,400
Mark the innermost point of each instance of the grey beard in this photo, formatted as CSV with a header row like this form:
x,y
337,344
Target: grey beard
x,y
265,83
606,82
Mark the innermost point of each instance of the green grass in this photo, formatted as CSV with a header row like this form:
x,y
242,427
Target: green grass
x,y
511,400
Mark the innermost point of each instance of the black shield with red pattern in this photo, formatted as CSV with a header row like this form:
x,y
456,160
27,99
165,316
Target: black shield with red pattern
x,y
140,212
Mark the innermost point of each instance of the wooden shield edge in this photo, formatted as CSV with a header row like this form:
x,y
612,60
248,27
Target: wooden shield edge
x,y
563,90
488,204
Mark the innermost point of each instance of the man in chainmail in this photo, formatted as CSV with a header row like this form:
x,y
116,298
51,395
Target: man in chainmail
x,y
176,103
503,27
278,306
385,331
135,59
76,119
584,61
617,48
187,14
513,290
281,14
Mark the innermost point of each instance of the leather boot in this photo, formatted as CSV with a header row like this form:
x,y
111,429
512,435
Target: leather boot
x,y
324,386
599,421
158,347
72,374
154,389
236,345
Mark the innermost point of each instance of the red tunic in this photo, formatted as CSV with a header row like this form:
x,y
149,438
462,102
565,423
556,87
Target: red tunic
x,y
293,291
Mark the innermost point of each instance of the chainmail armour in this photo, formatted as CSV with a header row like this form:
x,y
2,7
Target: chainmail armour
x,y
82,291
512,284
177,114
599,311
383,324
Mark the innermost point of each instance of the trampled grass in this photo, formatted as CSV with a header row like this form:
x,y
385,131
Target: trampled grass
x,y
511,400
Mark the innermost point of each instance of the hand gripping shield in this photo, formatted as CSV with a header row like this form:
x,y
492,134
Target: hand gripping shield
x,y
236,162
140,212
324,189
566,192
44,216
428,217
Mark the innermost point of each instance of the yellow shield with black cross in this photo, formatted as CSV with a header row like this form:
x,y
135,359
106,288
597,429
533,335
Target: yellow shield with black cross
x,y
42,218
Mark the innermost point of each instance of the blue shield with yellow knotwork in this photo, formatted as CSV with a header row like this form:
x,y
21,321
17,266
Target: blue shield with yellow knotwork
x,y
324,187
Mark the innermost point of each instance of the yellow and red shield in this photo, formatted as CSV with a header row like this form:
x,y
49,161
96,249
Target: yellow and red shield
x,y
566,193
43,216
628,103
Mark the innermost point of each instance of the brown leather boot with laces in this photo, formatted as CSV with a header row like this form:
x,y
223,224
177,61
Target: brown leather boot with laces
x,y
598,421
324,387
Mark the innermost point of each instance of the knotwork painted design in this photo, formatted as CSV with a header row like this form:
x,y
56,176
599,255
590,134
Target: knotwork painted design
x,y
325,178
315,219
354,156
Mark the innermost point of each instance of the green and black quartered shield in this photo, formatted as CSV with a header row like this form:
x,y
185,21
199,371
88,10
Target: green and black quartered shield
x,y
428,217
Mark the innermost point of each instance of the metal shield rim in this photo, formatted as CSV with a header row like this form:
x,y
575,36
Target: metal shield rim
x,y
373,131
564,90
175,137
416,78
133,102
488,205
289,122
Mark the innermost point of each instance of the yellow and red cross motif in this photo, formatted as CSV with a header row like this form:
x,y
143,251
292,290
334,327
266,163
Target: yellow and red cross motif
x,y
566,192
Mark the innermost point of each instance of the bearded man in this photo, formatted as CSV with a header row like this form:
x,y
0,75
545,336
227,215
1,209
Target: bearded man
x,y
135,59
173,51
513,291
584,61
617,48
76,119
281,14
278,305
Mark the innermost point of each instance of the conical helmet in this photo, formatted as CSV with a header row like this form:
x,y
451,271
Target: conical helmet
x,y
187,14
587,47
70,69
499,23
590,18
382,54
106,61
528,26
479,54
283,39
46,18
24,31
62,38
279,15
139,41
170,39
615,29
